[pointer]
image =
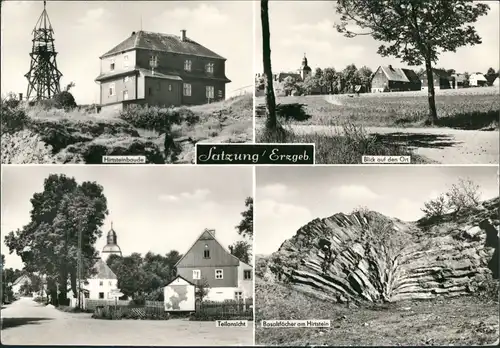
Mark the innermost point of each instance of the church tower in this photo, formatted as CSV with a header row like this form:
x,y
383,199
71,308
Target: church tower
x,y
305,70
111,246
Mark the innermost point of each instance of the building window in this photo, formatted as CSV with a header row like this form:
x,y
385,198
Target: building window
x,y
206,254
125,61
196,274
150,91
153,61
101,283
112,89
219,274
112,65
170,88
187,65
238,295
209,68
220,93
126,79
247,275
101,295
125,95
187,90
210,92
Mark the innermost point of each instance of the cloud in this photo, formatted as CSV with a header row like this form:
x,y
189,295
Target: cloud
x,y
353,193
93,17
275,191
204,14
325,26
196,195
270,209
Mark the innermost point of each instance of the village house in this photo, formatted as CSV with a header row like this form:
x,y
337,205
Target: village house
x,y
477,80
19,282
390,79
441,78
207,261
102,284
283,80
461,80
496,83
160,69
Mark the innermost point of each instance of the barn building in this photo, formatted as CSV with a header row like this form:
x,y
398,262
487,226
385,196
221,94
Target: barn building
x,y
160,69
442,80
227,277
390,79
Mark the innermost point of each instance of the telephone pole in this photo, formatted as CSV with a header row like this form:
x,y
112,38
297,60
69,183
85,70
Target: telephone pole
x,y
79,266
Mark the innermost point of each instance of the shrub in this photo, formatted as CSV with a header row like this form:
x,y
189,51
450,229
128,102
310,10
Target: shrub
x,y
13,119
138,300
463,195
435,207
64,100
156,118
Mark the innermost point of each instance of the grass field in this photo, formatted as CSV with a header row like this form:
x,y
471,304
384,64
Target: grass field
x,y
469,108
461,321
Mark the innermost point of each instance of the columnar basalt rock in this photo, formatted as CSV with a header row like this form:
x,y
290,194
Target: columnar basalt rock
x,y
368,256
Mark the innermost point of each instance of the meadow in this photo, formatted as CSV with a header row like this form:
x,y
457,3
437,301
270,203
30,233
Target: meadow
x,y
468,108
338,124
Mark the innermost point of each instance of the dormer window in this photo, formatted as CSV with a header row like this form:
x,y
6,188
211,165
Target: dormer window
x,y
187,65
206,254
209,68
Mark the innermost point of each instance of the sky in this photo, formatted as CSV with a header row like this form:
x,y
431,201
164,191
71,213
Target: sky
x,y
84,30
287,198
153,208
299,27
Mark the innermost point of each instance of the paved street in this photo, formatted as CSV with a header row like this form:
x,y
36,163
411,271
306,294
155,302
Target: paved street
x,y
26,322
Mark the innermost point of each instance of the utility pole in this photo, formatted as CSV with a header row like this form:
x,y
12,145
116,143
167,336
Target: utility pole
x,y
79,266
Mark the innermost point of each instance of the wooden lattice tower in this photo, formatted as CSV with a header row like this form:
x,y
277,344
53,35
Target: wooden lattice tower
x,y
43,77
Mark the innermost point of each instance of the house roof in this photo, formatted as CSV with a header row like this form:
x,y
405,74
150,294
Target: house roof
x,y
177,277
103,270
143,72
282,76
22,279
490,78
162,42
394,74
479,77
460,77
411,75
204,236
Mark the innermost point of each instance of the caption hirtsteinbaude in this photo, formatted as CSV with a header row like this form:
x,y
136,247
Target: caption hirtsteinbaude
x,y
294,323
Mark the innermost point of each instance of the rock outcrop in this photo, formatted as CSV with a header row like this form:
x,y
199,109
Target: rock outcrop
x,y
368,256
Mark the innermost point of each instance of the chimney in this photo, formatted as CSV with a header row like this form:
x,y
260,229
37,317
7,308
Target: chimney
x,y
20,97
390,67
133,33
183,35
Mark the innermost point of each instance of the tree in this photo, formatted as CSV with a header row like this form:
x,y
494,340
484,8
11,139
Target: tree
x,y
415,31
242,250
48,244
330,77
350,78
491,71
466,79
272,121
365,75
289,85
463,195
310,83
202,289
245,227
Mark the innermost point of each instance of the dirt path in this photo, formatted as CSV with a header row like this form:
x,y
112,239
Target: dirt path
x,y
442,145
26,322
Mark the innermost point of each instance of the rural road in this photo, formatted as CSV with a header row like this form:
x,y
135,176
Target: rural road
x,y
441,145
26,322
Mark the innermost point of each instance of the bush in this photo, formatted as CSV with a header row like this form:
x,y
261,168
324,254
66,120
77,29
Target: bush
x,y
139,300
435,207
64,100
156,118
13,119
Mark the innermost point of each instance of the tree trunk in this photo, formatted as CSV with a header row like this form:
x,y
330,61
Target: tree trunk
x,y
431,94
272,122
